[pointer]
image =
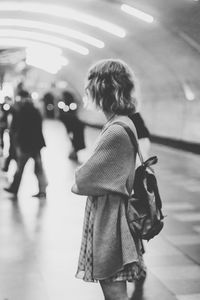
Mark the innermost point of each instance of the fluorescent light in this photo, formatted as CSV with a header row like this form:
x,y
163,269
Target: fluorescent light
x,y
54,29
63,12
61,104
50,39
189,95
66,108
6,106
34,95
40,55
137,13
23,43
49,62
73,106
43,65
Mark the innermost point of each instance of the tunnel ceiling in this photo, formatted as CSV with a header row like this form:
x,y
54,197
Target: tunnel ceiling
x,y
164,53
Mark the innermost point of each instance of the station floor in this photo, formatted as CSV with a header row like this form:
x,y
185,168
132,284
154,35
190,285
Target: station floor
x,y
40,239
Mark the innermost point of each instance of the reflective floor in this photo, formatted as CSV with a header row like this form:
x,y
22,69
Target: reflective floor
x,y
40,239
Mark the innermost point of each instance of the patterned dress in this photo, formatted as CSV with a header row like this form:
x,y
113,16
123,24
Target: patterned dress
x,y
108,251
130,272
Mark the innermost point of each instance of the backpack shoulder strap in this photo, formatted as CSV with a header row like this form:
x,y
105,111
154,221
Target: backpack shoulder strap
x,y
132,138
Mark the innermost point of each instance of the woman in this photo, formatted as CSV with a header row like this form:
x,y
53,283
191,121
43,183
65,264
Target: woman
x,y
28,140
109,254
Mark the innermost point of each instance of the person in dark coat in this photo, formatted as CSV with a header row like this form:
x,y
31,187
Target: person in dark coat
x,y
4,119
141,128
11,130
142,132
74,127
28,140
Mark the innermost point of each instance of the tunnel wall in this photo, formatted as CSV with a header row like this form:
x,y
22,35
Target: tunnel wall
x,y
169,114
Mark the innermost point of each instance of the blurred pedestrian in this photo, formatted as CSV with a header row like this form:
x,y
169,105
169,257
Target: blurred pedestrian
x,y
49,105
4,112
28,141
109,253
11,131
142,132
74,127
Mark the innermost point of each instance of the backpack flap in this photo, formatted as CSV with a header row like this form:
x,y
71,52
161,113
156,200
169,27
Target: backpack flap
x,y
135,216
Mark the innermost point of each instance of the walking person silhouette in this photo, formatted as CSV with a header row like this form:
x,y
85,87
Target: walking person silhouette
x,y
28,140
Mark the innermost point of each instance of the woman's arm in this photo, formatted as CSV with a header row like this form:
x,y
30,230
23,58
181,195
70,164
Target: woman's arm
x,y
109,166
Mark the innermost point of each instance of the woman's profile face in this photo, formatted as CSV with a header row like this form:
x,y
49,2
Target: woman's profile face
x,y
88,102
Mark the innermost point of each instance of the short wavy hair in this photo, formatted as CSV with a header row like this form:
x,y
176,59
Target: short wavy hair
x,y
111,84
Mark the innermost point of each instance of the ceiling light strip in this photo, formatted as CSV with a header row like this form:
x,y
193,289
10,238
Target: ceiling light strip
x,y
64,13
53,61
137,13
24,43
189,94
38,58
49,39
65,31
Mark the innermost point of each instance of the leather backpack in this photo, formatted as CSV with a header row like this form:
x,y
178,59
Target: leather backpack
x,y
144,206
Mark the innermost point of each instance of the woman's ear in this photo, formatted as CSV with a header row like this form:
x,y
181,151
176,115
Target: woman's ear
x,y
101,103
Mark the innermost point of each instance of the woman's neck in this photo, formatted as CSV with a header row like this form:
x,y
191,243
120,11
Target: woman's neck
x,y
109,116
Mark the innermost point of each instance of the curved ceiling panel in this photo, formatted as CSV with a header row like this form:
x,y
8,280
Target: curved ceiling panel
x,y
165,60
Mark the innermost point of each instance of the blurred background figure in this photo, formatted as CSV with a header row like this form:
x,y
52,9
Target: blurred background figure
x,y
28,140
143,134
4,112
11,117
75,128
48,100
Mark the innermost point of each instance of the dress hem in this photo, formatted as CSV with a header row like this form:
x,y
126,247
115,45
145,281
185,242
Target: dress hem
x,y
132,276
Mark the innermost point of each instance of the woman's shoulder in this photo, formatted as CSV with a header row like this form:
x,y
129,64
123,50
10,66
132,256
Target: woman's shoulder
x,y
125,120
115,132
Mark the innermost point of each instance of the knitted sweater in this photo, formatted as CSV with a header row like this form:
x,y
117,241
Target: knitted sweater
x,y
111,166
108,177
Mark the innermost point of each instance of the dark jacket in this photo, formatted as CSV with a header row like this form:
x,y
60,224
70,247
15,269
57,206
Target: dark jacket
x,y
28,129
141,128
